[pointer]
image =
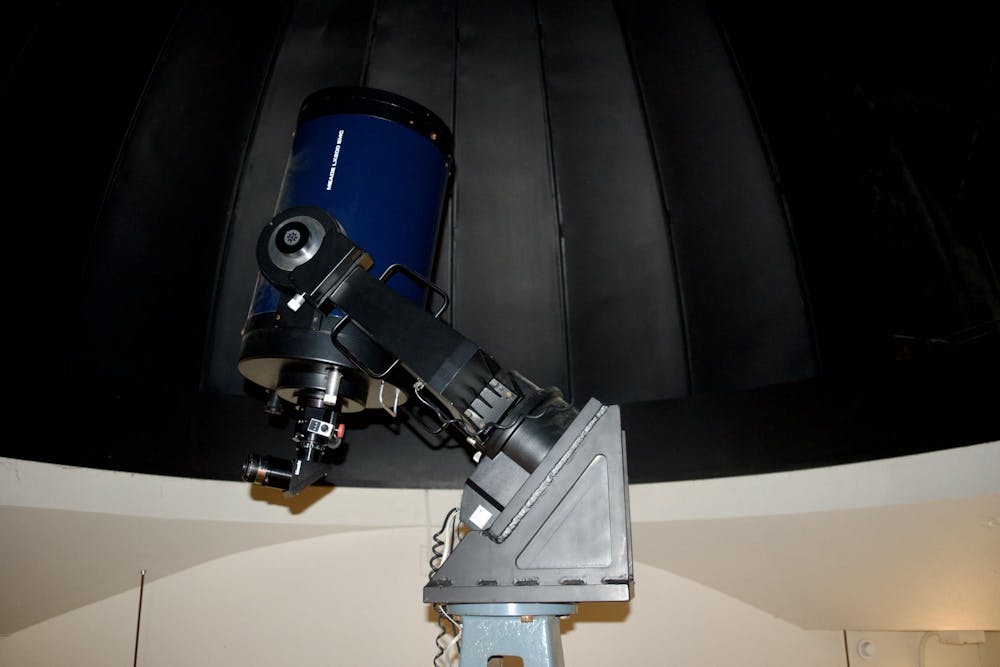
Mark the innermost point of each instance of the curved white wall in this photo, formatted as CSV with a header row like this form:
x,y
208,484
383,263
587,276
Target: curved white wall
x,y
762,570
354,598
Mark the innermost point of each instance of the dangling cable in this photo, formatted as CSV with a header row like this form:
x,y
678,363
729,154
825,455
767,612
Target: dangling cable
x,y
443,536
443,656
444,542
442,419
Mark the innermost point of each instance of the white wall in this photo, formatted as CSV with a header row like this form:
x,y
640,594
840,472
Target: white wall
x,y
902,649
355,599
728,571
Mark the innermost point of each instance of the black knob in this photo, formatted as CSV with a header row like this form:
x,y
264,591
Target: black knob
x,y
292,237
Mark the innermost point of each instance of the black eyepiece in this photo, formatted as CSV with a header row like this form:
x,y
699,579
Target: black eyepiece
x,y
268,471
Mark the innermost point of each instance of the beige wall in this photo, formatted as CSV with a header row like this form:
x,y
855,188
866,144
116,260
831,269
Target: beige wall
x,y
763,570
355,599
902,649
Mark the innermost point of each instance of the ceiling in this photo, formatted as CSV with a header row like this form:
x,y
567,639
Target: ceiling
x,y
753,229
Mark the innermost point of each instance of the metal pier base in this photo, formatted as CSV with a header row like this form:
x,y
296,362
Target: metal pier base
x,y
529,631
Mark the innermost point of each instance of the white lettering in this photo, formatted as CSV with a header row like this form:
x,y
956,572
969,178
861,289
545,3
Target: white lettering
x,y
336,157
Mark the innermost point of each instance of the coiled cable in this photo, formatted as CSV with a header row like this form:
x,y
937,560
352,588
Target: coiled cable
x,y
444,542
444,645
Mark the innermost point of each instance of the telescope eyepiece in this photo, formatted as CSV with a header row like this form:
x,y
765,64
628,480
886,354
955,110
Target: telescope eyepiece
x,y
268,471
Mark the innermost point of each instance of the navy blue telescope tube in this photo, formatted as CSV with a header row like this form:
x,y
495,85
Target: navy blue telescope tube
x,y
380,164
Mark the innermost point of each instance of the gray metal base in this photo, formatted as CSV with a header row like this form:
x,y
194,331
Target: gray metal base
x,y
529,631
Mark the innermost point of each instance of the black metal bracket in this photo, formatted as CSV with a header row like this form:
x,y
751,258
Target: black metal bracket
x,y
563,536
385,277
